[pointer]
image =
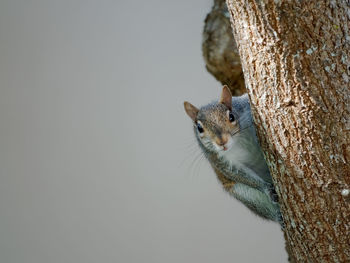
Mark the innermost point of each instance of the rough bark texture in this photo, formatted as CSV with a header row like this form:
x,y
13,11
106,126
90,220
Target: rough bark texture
x,y
220,51
296,62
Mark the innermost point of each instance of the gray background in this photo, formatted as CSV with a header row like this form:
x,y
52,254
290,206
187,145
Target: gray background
x,y
98,162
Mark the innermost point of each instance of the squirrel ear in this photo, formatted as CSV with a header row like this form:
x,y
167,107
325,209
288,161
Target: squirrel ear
x,y
191,110
226,97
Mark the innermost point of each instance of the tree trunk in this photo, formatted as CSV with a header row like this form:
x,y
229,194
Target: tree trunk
x,y
296,61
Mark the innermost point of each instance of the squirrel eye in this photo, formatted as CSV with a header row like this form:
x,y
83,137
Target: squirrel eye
x,y
200,128
231,117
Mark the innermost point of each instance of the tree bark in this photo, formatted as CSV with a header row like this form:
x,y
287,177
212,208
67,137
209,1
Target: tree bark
x,y
220,51
296,61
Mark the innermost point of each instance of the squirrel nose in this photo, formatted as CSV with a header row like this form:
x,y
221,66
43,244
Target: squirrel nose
x,y
221,141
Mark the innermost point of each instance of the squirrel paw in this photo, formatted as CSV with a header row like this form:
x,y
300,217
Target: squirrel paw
x,y
273,195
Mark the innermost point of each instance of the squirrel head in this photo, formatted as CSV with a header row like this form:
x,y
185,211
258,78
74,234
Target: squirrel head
x,y
216,123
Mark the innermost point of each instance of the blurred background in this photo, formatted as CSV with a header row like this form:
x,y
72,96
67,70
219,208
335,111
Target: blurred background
x,y
98,162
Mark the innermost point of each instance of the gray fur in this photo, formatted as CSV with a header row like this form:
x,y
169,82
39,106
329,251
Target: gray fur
x,y
257,201
244,162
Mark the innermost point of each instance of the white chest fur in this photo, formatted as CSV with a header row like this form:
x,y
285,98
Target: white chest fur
x,y
246,153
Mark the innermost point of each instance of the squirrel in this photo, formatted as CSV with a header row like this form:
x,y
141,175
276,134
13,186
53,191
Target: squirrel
x,y
225,132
